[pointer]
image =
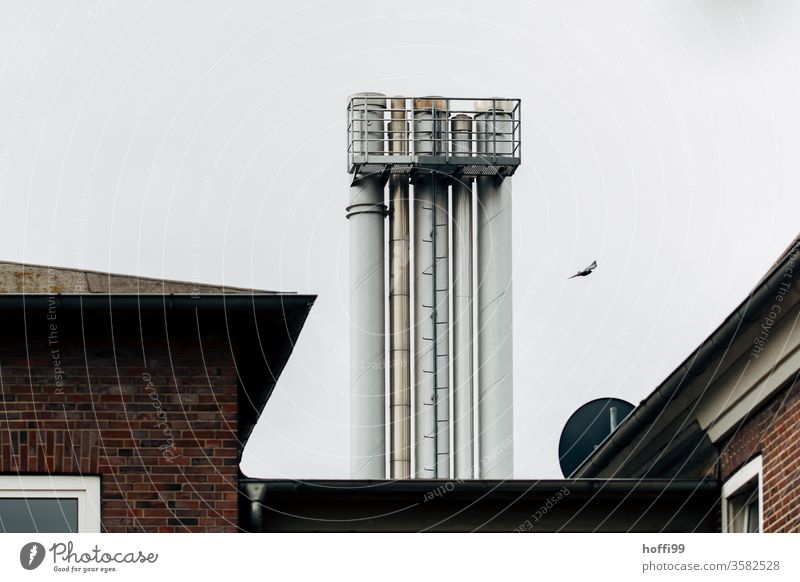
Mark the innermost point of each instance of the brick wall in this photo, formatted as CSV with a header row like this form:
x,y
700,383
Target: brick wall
x,y
773,432
156,419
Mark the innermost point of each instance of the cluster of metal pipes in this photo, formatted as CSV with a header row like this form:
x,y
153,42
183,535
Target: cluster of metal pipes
x,y
448,329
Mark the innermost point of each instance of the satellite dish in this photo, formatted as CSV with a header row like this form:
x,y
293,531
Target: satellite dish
x,y
587,428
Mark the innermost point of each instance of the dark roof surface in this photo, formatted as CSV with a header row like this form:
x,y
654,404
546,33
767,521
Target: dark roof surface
x,y
411,505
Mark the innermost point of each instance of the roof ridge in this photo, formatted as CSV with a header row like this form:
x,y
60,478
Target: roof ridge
x,y
19,277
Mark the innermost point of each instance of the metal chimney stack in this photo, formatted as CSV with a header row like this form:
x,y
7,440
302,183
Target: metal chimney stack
x,y
367,213
442,148
399,302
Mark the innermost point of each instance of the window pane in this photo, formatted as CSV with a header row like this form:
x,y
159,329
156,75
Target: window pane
x,y
743,510
752,516
31,515
735,517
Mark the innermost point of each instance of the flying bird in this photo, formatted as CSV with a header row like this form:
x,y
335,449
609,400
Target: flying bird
x,y
587,271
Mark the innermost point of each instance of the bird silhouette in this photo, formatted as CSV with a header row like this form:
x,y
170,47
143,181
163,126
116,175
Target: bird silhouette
x,y
587,271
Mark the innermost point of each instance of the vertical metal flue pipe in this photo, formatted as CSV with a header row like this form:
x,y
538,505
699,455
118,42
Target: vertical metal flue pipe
x,y
366,213
424,452
441,283
399,306
495,317
431,303
463,425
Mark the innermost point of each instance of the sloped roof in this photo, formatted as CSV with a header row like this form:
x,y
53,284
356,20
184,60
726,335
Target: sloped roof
x,y
635,428
26,278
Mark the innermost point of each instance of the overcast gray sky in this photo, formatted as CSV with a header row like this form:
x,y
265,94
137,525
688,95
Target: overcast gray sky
x,y
204,141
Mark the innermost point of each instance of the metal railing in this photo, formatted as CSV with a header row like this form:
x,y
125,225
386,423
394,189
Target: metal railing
x,y
449,134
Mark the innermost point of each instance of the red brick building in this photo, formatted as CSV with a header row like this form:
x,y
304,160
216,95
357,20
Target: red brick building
x,y
772,434
125,403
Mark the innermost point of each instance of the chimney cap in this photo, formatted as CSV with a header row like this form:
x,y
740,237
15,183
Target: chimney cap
x,y
486,105
430,101
371,98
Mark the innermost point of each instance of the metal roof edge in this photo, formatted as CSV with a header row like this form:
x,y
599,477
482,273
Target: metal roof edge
x,y
511,486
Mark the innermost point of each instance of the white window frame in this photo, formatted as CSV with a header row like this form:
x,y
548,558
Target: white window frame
x,y
86,489
736,483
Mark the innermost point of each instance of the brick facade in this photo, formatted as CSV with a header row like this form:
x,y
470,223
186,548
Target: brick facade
x,y
155,418
772,432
